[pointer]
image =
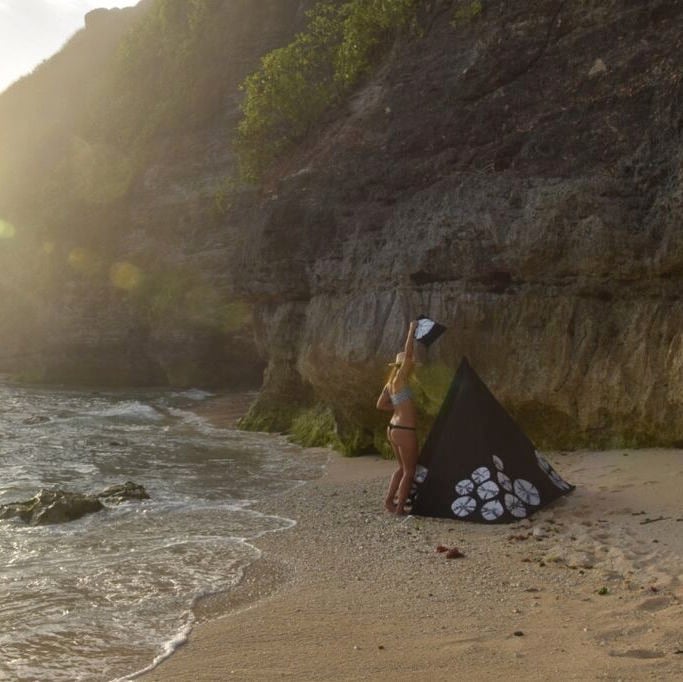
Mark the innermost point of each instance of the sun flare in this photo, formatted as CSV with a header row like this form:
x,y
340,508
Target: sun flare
x,y
7,230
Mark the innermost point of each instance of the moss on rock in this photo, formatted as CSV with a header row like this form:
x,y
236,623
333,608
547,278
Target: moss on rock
x,y
553,429
270,417
315,427
430,385
548,427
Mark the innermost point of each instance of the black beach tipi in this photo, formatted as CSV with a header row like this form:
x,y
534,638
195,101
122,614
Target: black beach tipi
x,y
477,464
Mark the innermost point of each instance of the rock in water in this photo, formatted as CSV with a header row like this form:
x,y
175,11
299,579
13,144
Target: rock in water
x,y
35,419
123,492
51,506
60,506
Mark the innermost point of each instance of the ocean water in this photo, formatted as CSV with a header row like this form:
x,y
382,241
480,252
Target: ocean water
x,y
91,599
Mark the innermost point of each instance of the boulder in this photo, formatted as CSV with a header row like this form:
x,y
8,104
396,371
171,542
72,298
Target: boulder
x,y
60,506
122,492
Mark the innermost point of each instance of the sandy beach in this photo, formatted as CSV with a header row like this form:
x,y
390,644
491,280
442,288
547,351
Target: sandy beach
x,y
590,588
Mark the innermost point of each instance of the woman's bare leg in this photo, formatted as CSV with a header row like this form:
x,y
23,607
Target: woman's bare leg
x,y
395,480
408,453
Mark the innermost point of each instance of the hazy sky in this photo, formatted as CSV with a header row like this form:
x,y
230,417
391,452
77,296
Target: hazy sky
x,y
33,30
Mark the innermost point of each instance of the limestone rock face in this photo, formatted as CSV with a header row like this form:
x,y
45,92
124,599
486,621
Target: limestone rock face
x,y
491,176
60,506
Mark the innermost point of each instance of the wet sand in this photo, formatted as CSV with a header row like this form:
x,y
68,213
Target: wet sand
x,y
589,589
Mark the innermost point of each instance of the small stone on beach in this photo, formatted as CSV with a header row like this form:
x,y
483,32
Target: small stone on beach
x,y
454,553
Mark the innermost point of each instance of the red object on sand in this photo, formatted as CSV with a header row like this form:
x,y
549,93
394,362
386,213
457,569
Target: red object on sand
x,y
454,553
441,548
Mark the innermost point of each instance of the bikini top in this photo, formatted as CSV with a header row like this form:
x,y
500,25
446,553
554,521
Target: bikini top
x,y
400,397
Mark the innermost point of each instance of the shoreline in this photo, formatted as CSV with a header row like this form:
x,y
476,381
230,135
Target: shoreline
x,y
262,577
590,588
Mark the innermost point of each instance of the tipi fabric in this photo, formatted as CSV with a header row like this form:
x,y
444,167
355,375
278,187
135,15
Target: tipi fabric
x,y
477,464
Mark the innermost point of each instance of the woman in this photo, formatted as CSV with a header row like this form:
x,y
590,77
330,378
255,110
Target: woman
x,y
397,397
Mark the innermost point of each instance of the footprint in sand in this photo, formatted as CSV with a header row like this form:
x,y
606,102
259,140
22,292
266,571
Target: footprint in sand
x,y
622,487
614,634
638,653
654,604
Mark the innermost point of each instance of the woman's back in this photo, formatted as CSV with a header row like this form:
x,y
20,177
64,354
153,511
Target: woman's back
x,y
401,396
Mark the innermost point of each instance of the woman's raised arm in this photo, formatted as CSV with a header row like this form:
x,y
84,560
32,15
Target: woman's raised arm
x,y
408,360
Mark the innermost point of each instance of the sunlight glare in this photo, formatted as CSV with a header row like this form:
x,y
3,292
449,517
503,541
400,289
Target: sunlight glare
x,y
7,230
84,261
125,276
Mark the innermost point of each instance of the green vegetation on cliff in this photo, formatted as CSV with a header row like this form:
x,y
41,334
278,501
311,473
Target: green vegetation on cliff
x,y
298,83
168,72
463,14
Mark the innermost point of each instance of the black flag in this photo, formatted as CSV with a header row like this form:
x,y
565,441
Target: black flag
x,y
428,330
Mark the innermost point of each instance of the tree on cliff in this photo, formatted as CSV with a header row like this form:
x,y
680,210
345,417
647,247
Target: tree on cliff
x,y
298,83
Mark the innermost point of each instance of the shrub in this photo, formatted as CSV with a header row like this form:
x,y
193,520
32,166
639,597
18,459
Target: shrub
x,y
369,29
315,427
298,83
466,12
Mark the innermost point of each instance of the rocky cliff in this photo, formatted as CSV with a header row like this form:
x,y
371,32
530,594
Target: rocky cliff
x,y
515,173
512,169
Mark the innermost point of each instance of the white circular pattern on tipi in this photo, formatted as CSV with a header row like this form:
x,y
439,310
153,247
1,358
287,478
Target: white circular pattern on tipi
x,y
464,506
515,506
492,510
527,492
557,480
505,481
542,461
421,473
464,487
498,462
480,475
488,490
